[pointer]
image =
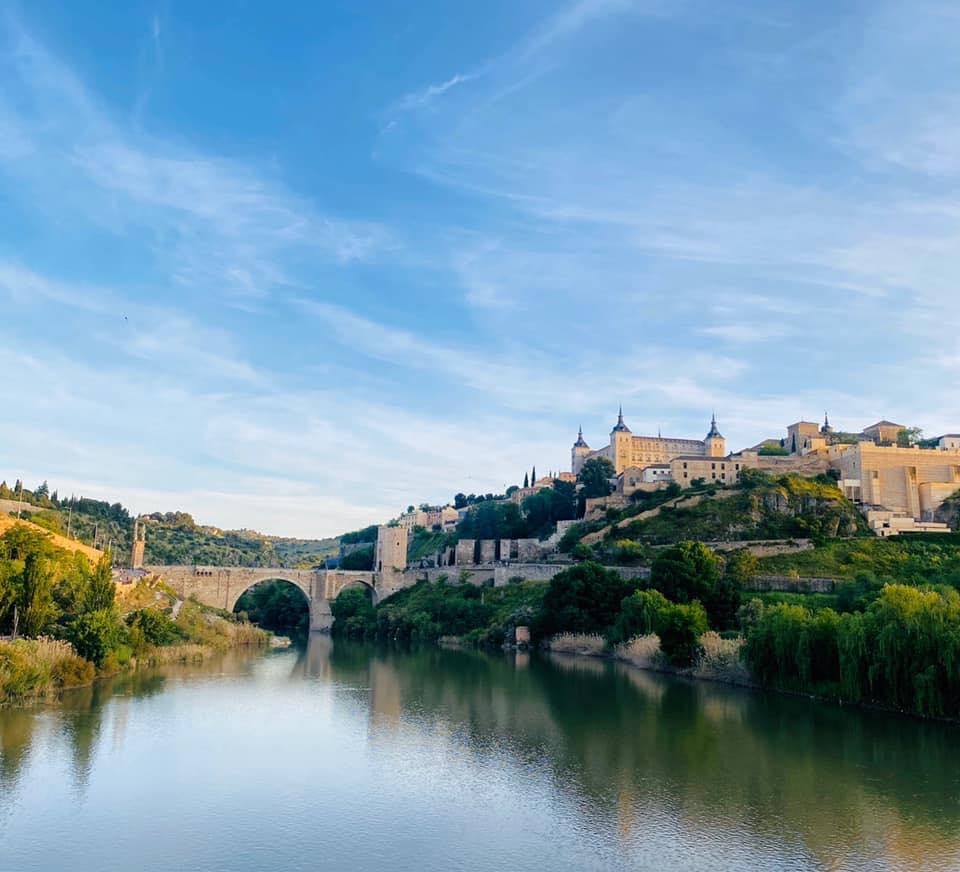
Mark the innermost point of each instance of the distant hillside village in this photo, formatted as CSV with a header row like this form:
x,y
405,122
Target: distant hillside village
x,y
900,483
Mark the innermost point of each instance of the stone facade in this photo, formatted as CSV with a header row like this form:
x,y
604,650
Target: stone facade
x,y
911,482
465,552
626,450
391,550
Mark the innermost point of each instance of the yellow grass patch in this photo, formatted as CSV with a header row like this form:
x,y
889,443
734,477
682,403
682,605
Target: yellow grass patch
x,y
92,554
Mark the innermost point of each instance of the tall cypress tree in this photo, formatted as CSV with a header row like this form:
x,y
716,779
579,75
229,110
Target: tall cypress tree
x,y
526,480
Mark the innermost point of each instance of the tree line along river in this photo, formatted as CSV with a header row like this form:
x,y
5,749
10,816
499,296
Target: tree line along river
x,y
347,756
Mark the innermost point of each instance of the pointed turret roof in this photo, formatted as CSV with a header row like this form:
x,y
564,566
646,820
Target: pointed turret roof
x,y
621,427
714,432
581,442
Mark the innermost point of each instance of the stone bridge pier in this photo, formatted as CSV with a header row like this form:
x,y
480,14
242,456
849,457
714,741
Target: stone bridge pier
x,y
221,586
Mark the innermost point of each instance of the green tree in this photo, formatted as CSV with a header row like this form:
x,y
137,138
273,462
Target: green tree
x,y
95,634
101,592
152,627
742,566
595,476
638,615
35,601
585,598
360,560
354,614
563,501
909,436
278,606
690,571
680,626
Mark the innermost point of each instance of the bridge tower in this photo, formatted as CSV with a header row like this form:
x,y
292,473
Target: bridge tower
x,y
139,544
390,558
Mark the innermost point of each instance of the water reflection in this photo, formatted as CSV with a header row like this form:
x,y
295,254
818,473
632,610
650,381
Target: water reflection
x,y
836,781
645,760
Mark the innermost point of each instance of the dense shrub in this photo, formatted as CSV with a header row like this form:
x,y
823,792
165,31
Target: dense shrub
x,y
904,651
691,571
585,598
354,614
152,627
96,634
360,560
638,615
680,626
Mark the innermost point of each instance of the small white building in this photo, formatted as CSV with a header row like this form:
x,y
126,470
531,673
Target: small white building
x,y
950,442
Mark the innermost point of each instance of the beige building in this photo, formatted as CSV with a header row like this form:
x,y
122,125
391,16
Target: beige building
x,y
883,432
626,450
712,470
444,517
907,481
805,437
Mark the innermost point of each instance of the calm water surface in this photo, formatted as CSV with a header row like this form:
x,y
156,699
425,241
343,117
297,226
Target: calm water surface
x,y
355,758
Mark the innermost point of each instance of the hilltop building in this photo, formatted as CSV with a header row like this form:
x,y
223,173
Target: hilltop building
x,y
429,517
805,437
626,451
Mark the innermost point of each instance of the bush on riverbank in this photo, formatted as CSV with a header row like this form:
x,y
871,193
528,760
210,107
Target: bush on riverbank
x,y
33,669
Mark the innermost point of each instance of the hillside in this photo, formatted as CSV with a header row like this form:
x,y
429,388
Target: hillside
x,y
762,507
172,537
173,543
6,522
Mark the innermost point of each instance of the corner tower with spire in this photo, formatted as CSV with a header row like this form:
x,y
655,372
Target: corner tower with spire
x,y
579,453
715,444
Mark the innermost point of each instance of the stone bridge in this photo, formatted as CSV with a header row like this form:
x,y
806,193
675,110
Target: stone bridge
x,y
222,586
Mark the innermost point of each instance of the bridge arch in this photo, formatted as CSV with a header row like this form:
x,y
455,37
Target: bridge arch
x,y
303,585
337,582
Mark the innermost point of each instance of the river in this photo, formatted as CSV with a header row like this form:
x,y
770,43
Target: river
x,y
351,757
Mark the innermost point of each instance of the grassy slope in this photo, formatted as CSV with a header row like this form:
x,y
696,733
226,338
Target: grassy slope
x,y
905,559
788,507
6,522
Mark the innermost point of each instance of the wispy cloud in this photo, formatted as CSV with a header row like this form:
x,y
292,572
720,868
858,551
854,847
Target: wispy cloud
x,y
425,96
216,223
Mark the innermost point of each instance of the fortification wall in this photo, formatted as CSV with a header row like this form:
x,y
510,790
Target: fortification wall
x,y
794,585
763,548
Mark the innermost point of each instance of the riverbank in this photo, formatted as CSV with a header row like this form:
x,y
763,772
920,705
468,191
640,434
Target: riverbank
x,y
720,662
719,659
40,669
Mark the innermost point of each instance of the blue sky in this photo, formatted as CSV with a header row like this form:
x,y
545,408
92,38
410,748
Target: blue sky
x,y
292,266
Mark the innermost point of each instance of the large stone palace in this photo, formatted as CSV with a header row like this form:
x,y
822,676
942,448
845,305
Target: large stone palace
x,y
899,483
627,450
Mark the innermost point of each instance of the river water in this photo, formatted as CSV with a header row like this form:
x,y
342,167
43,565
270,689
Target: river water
x,y
356,758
